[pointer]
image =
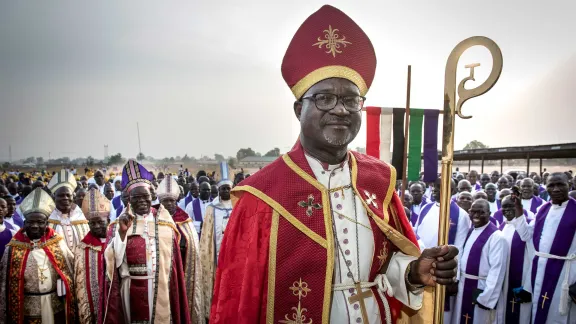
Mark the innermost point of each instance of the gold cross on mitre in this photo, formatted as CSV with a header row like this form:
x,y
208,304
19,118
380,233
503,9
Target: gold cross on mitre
x,y
359,297
544,297
467,317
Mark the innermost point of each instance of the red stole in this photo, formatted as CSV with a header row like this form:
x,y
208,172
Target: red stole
x,y
94,271
18,250
300,280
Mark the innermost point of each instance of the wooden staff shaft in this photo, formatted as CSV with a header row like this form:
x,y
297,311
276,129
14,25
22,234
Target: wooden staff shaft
x,y
406,128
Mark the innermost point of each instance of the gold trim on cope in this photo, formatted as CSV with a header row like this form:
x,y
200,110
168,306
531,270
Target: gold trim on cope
x,y
327,72
272,267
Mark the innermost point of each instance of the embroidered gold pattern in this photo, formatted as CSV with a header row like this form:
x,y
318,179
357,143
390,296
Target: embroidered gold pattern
x,y
383,255
299,288
332,41
309,205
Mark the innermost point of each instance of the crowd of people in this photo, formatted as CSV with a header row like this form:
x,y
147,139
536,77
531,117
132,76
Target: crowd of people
x,y
506,227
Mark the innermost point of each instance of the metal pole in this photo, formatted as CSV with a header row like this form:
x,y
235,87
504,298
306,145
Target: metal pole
x,y
540,167
406,127
501,166
482,168
528,165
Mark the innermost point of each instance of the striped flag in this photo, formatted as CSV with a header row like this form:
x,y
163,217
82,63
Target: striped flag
x,y
382,122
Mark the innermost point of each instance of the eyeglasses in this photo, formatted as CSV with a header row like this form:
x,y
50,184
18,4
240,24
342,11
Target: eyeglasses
x,y
327,101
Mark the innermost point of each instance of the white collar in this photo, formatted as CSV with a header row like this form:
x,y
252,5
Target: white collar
x,y
561,206
481,228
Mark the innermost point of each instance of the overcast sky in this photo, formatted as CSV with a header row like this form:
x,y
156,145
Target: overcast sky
x,y
203,77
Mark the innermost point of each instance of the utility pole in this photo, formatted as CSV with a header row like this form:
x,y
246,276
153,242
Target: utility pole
x,y
10,153
139,144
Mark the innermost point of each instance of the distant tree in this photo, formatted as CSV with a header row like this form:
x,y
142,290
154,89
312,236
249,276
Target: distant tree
x,y
475,145
232,162
140,156
30,160
6,165
178,158
186,158
89,161
172,160
116,159
274,152
219,157
165,160
40,160
242,153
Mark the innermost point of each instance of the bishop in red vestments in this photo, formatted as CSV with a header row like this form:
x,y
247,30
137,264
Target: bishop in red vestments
x,y
89,257
320,236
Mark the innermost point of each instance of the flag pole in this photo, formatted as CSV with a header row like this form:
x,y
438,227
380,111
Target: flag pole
x,y
406,126
451,109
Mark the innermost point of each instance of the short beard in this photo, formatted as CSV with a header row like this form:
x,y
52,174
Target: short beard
x,y
338,142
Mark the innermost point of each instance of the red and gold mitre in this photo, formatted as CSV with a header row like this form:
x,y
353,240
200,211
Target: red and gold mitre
x,y
329,44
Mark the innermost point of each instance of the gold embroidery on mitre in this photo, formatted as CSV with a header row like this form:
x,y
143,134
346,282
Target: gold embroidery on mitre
x,y
299,288
332,41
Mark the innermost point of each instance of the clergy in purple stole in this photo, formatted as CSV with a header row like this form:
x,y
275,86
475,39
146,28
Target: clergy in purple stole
x,y
7,231
143,252
529,200
197,208
515,304
482,269
553,271
417,192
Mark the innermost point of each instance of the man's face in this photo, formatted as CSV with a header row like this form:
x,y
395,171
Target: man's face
x,y
459,177
125,198
98,225
416,192
99,178
141,200
109,192
3,209
79,198
473,176
557,187
194,190
494,178
63,199
153,193
503,183
170,204
224,192
480,195
491,192
4,191
11,205
479,213
484,180
205,191
13,188
35,225
203,179
118,185
537,179
465,200
84,184
408,200
334,128
214,191
527,188
508,209
464,186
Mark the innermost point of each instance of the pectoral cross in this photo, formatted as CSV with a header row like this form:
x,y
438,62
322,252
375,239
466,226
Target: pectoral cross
x,y
42,277
467,317
359,297
544,297
513,302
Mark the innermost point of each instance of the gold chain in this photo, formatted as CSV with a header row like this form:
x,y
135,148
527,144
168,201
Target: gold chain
x,y
353,221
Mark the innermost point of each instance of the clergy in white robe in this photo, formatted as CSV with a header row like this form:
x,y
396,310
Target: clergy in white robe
x,y
215,222
7,231
67,218
482,269
419,201
529,201
492,193
193,191
36,270
552,234
427,230
514,306
197,208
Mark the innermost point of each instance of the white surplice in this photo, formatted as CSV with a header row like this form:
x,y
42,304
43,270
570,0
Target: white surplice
x,y
526,308
222,211
119,247
493,261
70,232
190,211
526,232
527,204
345,233
493,206
428,233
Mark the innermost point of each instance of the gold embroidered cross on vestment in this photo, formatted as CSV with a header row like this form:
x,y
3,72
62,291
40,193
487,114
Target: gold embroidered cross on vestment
x,y
371,199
